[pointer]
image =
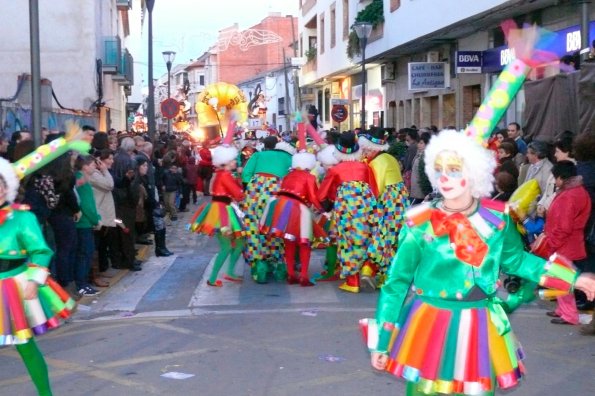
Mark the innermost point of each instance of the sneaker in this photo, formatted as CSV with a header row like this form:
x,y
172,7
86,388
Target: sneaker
x,y
87,291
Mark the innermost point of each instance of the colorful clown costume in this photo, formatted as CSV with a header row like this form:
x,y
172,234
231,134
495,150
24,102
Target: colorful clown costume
x,y
222,218
393,199
262,176
351,187
453,336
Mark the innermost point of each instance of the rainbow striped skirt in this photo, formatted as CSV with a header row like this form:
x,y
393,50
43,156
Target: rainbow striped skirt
x,y
289,218
21,319
450,347
216,216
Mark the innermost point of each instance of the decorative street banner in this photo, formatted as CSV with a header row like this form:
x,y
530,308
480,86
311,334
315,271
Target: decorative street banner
x,y
469,61
427,75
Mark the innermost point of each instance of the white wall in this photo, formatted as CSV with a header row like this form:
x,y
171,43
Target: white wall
x,y
67,41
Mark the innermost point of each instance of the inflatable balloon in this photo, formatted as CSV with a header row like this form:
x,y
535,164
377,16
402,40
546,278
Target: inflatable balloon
x,y
216,101
522,198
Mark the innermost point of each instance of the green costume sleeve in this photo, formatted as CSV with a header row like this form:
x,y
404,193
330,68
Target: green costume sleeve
x,y
400,277
248,171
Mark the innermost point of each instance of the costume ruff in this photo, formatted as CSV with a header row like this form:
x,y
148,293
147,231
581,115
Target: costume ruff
x,y
453,348
353,217
21,241
22,319
212,217
259,191
455,336
289,218
390,216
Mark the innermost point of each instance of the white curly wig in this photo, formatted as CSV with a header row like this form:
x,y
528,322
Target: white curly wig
x,y
288,148
326,156
10,179
224,154
303,160
479,162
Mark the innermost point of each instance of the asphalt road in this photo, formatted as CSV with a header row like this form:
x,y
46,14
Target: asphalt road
x,y
250,339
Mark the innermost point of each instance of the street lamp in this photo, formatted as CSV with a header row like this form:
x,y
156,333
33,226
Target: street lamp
x,y
363,30
168,57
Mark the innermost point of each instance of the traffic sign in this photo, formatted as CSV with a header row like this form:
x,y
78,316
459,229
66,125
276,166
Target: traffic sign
x,y
339,113
170,108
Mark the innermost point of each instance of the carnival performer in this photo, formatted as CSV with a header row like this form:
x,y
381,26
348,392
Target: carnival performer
x,y
289,215
453,336
350,189
221,216
32,303
390,209
326,158
262,176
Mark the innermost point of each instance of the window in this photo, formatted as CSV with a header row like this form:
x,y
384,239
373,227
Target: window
x,y
201,80
281,106
321,34
327,105
345,19
333,25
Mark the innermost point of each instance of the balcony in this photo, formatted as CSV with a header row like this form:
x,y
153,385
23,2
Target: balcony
x,y
112,50
125,75
124,5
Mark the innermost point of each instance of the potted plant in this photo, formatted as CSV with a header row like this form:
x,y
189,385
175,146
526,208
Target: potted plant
x,y
311,54
373,13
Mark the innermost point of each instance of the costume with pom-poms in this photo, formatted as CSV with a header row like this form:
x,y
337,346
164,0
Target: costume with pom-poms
x,y
262,174
351,189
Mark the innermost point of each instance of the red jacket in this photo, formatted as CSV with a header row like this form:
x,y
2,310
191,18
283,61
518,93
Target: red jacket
x,y
344,172
225,185
566,220
301,184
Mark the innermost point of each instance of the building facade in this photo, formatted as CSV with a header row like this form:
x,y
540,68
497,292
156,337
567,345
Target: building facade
x,y
87,70
411,41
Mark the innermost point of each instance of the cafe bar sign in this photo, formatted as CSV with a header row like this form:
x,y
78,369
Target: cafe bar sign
x,y
427,75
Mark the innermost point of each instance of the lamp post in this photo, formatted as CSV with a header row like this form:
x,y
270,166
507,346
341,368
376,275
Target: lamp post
x,y
168,57
363,30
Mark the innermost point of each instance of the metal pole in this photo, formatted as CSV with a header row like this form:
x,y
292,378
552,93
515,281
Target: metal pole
x,y
585,43
151,99
287,126
364,78
168,95
35,71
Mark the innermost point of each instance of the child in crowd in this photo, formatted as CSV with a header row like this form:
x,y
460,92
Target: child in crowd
x,y
172,183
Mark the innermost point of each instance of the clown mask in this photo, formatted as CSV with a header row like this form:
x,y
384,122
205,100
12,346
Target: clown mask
x,y
450,175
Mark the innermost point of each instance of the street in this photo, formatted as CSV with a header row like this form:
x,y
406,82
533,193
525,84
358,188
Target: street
x,y
250,339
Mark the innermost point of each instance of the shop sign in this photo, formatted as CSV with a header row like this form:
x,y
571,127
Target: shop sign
x,y
427,75
468,61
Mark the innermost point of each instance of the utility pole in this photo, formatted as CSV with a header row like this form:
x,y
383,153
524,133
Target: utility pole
x,y
296,79
287,111
151,99
35,72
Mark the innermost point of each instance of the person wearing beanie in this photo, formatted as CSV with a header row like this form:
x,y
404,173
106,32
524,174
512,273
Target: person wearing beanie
x,y
289,215
393,199
350,189
221,216
33,302
262,177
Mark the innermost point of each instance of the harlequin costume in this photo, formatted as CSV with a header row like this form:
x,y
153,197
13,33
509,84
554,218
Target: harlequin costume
x,y
351,188
221,216
24,260
289,216
462,337
262,176
390,208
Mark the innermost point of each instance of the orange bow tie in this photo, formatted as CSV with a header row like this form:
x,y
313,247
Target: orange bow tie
x,y
468,245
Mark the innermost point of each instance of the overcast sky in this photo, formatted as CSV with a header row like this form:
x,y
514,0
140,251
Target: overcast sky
x,y
190,27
